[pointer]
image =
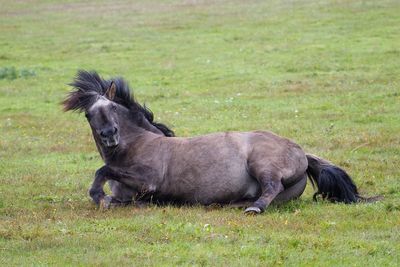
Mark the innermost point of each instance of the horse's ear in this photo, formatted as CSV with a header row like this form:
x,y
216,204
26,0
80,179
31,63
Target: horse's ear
x,y
110,93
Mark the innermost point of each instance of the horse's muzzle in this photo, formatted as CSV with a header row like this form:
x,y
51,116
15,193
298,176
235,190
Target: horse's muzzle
x,y
110,141
110,137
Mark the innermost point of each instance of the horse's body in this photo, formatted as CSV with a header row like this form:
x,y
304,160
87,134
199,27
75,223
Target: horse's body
x,y
144,163
215,168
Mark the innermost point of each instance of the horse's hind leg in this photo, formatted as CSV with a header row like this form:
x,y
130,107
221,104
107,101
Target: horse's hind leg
x,y
292,191
271,186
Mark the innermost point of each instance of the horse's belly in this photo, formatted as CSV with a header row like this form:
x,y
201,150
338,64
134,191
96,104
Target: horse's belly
x,y
253,190
237,189
226,190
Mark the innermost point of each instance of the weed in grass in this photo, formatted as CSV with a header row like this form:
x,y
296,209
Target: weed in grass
x,y
11,73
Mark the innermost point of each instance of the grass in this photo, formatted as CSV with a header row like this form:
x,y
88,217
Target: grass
x,y
324,73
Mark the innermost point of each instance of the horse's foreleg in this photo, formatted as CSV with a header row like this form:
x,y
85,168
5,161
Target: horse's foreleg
x,y
96,191
271,186
122,195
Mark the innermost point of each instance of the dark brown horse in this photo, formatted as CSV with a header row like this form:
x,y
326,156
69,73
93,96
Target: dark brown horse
x,y
144,162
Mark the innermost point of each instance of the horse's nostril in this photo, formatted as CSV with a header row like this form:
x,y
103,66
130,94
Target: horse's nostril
x,y
108,132
115,130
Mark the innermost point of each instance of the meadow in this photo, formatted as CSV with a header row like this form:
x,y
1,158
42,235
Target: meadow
x,y
323,73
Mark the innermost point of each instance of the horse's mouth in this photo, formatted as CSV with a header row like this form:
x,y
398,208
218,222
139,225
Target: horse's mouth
x,y
111,141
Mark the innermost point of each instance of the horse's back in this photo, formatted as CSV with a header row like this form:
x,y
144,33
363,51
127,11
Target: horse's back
x,y
266,149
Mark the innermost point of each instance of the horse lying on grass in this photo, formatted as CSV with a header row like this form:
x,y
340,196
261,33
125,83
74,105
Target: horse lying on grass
x,y
145,162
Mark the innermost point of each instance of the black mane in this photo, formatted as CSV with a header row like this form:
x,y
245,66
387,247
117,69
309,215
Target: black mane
x,y
90,86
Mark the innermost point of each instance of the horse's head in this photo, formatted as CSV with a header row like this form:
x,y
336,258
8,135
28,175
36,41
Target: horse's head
x,y
97,98
109,105
103,119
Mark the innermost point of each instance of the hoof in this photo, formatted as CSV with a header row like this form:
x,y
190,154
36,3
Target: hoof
x,y
252,211
105,203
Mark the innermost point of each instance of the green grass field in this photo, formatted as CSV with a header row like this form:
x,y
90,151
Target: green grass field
x,y
323,73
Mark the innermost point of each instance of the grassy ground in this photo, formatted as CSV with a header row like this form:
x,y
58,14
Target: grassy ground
x,y
324,73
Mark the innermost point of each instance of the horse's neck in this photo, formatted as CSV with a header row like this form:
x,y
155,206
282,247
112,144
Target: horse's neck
x,y
132,134
150,127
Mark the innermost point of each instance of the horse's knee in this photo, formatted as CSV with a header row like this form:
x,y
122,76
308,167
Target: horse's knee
x,y
101,172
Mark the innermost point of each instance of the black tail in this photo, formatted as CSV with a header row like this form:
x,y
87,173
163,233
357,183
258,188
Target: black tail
x,y
332,182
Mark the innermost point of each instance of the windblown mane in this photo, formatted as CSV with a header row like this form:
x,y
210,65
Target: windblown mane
x,y
90,86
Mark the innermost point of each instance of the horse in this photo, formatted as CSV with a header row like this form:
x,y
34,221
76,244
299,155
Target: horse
x,y
145,162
